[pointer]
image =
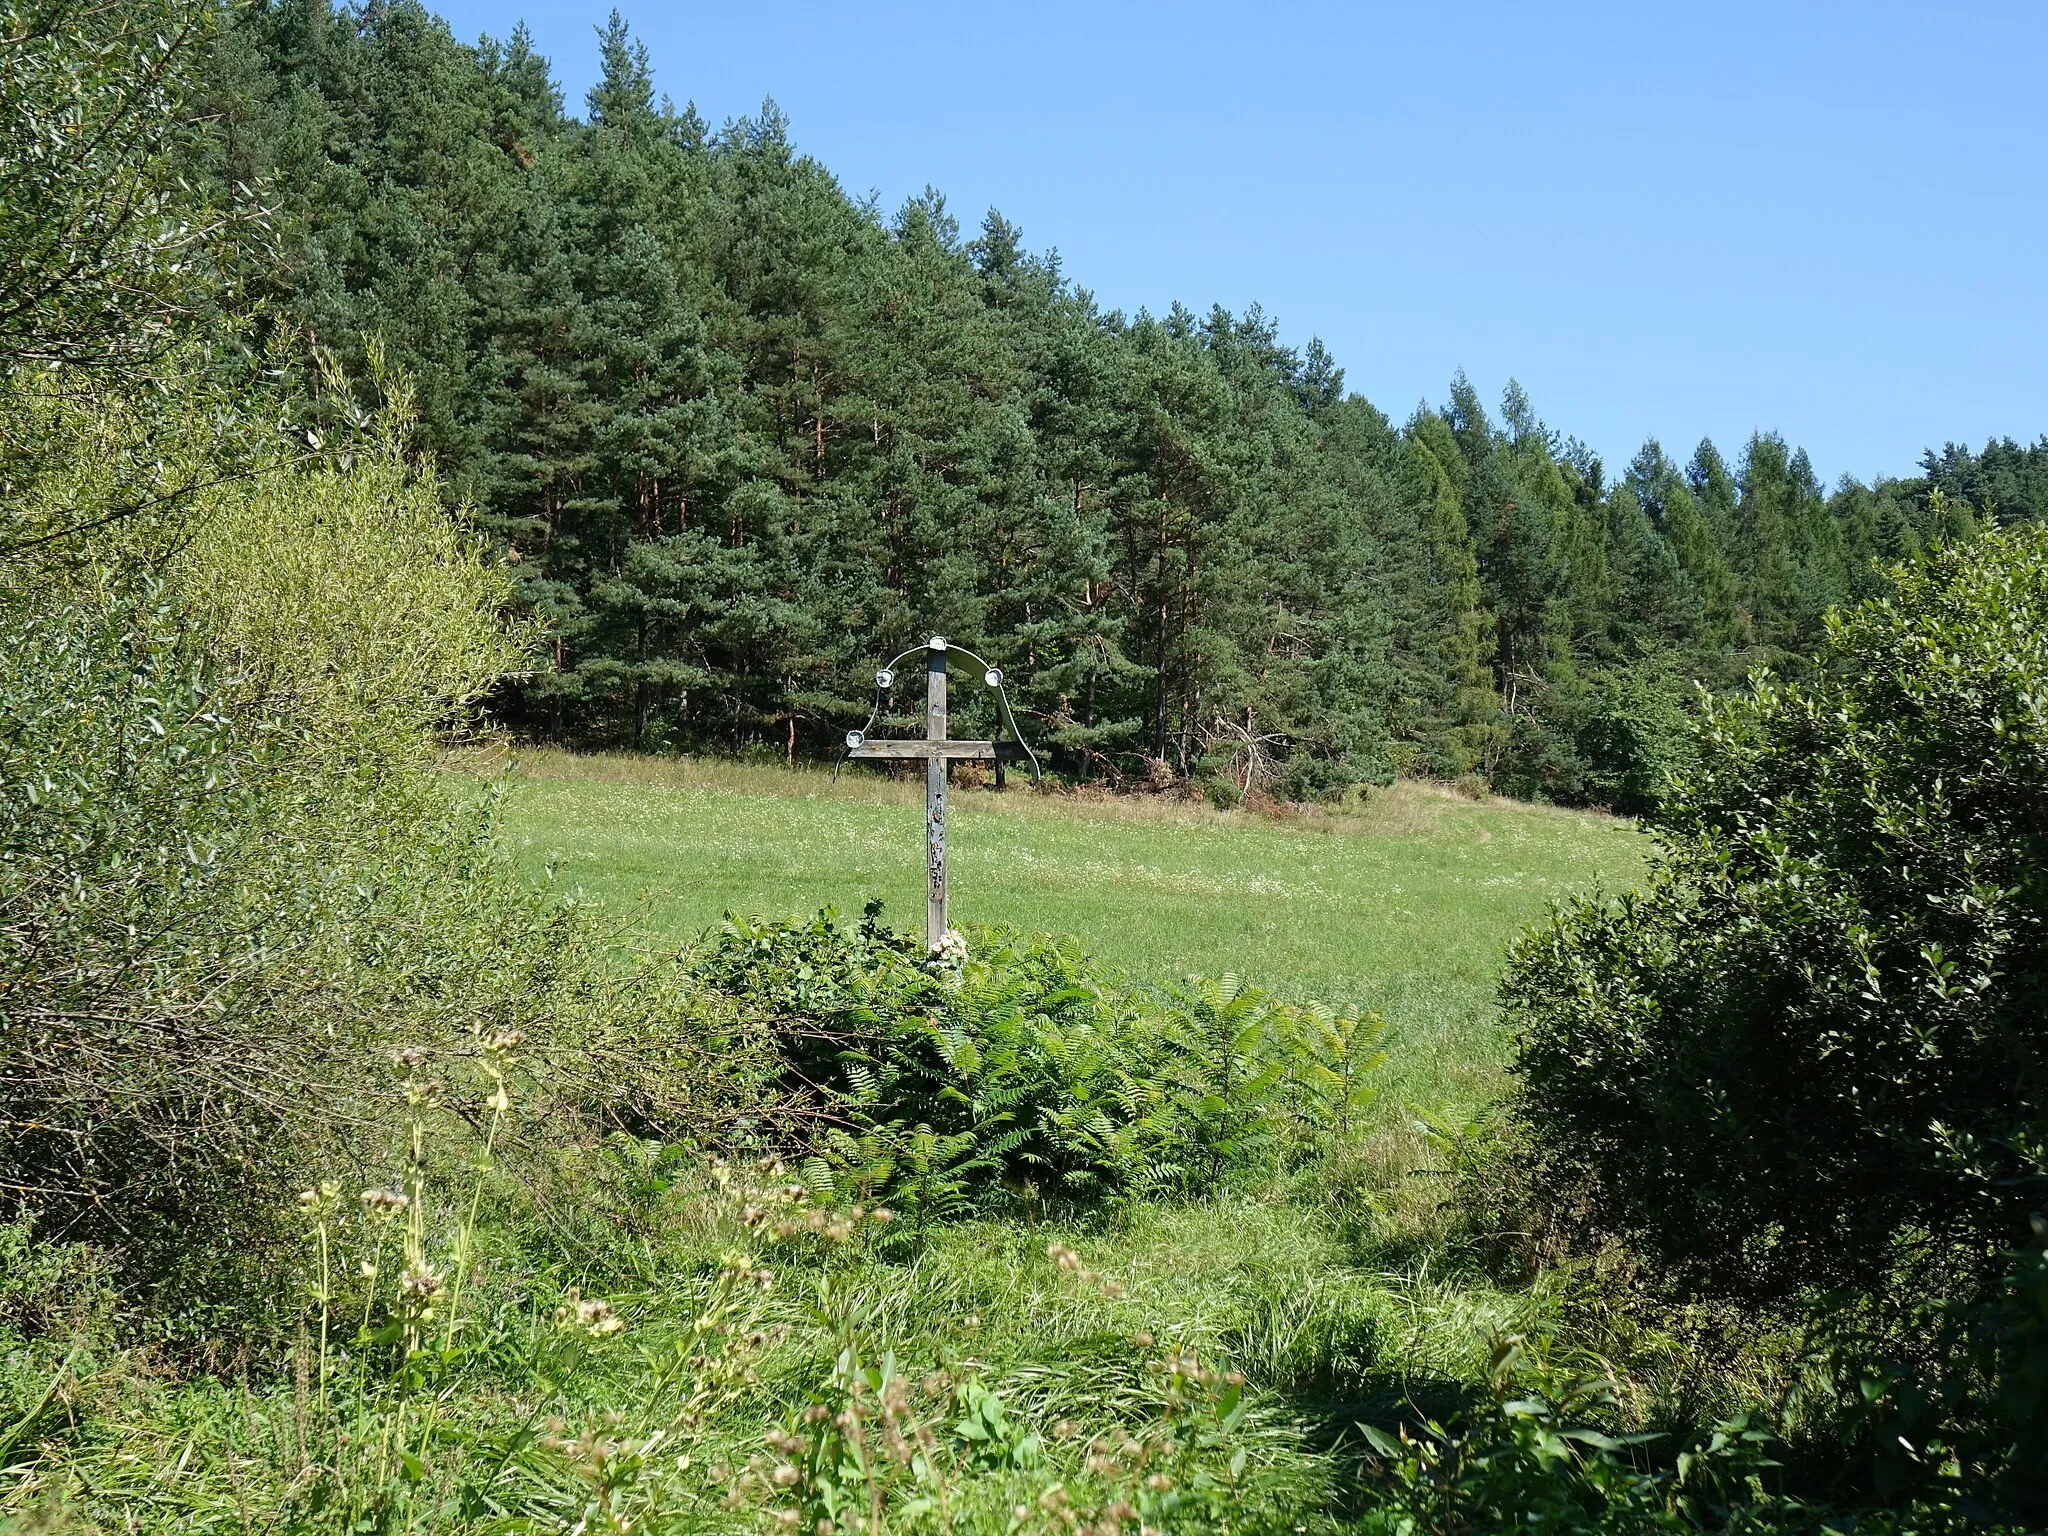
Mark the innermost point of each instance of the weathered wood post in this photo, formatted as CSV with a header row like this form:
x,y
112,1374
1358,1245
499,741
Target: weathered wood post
x,y
939,752
936,768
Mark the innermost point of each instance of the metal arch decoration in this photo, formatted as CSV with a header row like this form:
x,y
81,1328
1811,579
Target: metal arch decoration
x,y
938,752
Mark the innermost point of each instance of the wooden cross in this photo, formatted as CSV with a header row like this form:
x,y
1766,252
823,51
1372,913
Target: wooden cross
x,y
939,754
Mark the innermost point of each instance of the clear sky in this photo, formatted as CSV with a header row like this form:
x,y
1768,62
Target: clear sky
x,y
1668,220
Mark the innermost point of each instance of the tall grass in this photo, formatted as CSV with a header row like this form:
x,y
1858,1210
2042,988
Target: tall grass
x,y
645,1387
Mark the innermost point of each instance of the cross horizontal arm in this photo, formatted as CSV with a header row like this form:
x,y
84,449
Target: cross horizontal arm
x,y
973,751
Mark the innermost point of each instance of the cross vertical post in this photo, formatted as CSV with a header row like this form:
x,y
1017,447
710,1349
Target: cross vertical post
x,y
935,776
938,752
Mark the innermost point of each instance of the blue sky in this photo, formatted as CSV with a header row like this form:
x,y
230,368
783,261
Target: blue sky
x,y
1826,220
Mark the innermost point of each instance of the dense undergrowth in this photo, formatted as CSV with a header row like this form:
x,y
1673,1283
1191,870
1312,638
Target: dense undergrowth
x,y
1194,1367
1246,1316
1801,1070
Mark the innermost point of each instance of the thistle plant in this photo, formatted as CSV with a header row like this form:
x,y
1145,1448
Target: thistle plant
x,y
419,1283
496,1054
416,1282
873,1451
622,1465
321,1207
381,1210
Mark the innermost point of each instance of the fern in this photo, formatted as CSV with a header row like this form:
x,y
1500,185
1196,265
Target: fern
x,y
1030,1075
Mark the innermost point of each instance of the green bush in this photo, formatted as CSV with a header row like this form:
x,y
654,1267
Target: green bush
x,y
1809,1060
1945,1398
1533,1451
141,1061
232,883
1812,1048
1634,740
1024,1075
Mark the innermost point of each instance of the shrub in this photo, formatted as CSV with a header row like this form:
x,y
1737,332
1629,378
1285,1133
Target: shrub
x,y
1025,1075
131,949
231,883
1535,1451
1945,1398
1811,1051
339,596
1634,740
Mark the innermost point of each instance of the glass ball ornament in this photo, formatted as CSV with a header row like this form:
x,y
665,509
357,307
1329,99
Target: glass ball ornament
x,y
855,738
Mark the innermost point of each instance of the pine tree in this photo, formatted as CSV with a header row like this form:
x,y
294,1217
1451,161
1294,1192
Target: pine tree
x,y
1461,724
1786,547
1666,497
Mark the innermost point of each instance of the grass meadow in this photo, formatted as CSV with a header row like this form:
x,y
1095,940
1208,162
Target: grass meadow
x,y
1402,904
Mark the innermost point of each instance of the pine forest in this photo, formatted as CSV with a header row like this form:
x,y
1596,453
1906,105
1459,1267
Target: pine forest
x,y
744,434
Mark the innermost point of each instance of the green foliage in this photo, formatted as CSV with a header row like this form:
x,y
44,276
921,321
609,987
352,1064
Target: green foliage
x,y
1803,1066
102,245
1226,1066
1944,1398
210,935
2000,1403
1334,1059
123,394
1530,1453
1026,1076
129,955
1809,1052
1634,738
340,596
232,879
2005,483
231,882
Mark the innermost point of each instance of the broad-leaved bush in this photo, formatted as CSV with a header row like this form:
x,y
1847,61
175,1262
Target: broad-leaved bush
x,y
1814,1046
1026,1076
233,882
1806,1065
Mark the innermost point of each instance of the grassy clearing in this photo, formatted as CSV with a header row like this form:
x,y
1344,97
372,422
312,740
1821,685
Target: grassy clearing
x,y
1329,1292
1401,905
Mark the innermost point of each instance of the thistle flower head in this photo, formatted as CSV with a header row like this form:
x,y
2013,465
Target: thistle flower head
x,y
592,1315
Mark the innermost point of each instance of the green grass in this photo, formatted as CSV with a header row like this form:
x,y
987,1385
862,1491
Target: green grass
x,y
1241,1281
1403,906
1337,1290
